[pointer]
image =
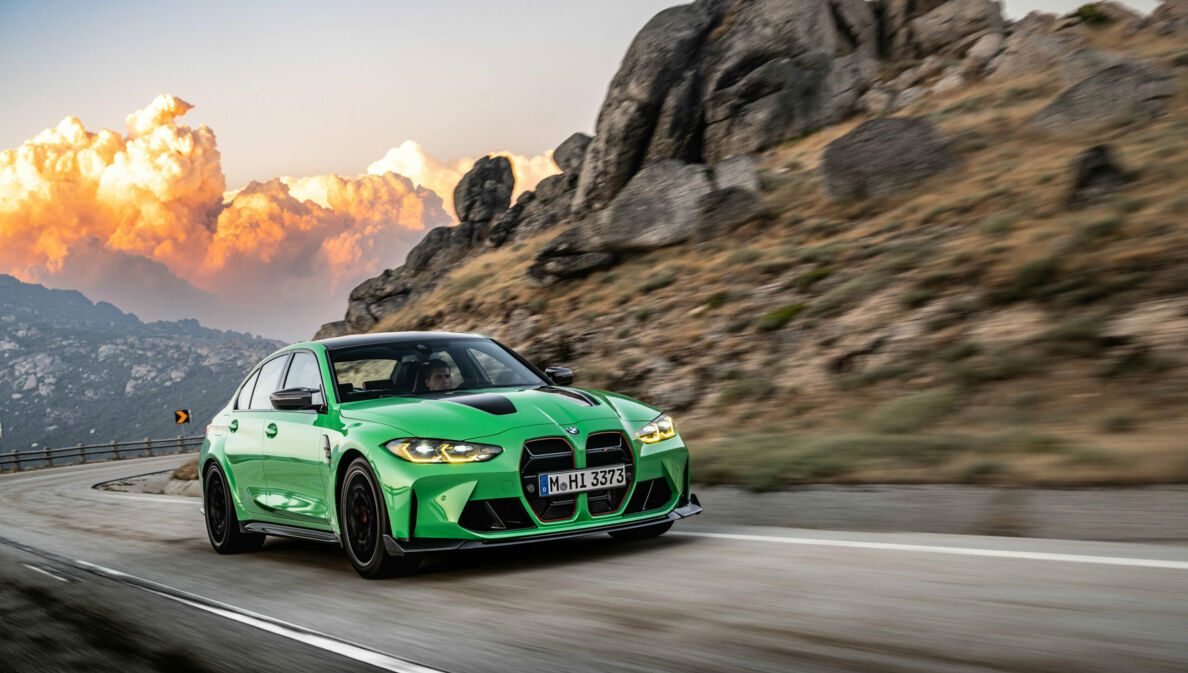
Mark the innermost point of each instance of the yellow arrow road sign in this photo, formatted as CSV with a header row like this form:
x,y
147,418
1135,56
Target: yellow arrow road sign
x,y
181,416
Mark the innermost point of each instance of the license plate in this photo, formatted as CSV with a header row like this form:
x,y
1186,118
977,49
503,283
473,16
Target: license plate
x,y
576,481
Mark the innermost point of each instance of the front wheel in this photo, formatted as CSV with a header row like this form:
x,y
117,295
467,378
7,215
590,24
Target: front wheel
x,y
643,532
362,519
222,525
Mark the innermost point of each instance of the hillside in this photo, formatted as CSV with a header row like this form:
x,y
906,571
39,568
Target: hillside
x,y
917,243
75,371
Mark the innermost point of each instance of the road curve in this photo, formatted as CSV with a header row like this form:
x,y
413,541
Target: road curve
x,y
702,598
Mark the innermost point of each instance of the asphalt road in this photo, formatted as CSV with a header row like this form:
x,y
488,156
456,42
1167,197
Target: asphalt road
x,y
701,598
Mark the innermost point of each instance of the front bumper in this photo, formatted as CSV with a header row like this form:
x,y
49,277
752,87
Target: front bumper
x,y
396,547
467,502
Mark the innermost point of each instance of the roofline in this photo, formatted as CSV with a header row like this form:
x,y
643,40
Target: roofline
x,y
349,341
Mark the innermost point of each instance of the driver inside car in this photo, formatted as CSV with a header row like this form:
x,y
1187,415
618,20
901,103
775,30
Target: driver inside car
x,y
436,375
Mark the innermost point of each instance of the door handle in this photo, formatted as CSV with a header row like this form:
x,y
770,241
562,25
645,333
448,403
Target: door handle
x,y
270,431
234,425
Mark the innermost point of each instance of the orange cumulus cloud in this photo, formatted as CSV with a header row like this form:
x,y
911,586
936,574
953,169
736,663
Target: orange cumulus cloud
x,y
158,192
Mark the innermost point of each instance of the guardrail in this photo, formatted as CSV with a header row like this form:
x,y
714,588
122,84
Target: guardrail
x,y
14,461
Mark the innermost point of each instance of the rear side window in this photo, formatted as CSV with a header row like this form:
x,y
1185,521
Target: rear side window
x,y
268,383
245,393
305,373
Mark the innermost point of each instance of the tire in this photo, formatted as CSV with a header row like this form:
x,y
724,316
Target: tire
x,y
362,521
222,524
642,533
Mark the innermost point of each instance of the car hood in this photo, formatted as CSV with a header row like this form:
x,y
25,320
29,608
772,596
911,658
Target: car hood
x,y
467,415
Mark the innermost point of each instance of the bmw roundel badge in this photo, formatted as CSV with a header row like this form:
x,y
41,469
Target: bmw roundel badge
x,y
571,430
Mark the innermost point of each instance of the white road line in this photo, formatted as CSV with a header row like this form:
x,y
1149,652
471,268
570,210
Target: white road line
x,y
283,629
960,551
377,659
43,571
167,499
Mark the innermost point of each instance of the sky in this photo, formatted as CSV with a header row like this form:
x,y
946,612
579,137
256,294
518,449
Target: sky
x,y
354,118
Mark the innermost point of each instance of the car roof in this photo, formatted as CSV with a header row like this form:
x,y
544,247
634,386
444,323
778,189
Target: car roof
x,y
336,343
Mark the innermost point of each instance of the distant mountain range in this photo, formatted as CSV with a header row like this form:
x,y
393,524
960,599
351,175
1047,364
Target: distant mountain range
x,y
75,371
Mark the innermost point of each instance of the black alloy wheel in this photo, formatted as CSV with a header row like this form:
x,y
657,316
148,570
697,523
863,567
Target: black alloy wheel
x,y
643,532
362,520
222,525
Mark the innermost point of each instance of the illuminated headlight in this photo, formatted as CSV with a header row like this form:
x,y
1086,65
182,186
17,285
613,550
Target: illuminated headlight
x,y
660,428
418,450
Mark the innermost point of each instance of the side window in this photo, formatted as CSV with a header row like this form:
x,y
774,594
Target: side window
x,y
245,393
305,373
497,373
269,383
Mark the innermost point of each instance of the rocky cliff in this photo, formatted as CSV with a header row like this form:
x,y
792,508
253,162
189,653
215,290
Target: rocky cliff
x,y
75,371
794,216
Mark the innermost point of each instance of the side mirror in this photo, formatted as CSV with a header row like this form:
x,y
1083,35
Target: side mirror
x,y
294,399
562,376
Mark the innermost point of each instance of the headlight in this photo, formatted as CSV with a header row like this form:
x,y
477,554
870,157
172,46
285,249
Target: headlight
x,y
660,428
419,450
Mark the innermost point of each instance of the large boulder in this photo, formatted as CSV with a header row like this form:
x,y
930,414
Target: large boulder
x,y
570,154
656,209
485,190
784,68
1123,93
717,79
1036,42
724,210
1095,177
948,29
885,157
656,59
896,24
1080,64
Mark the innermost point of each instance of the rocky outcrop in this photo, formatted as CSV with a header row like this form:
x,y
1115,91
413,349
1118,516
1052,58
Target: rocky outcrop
x,y
955,25
897,17
655,61
1123,93
570,154
1169,18
1036,42
1082,63
885,157
711,80
485,190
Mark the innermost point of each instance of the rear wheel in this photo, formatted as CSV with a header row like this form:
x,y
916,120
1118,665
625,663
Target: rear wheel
x,y
362,519
643,532
222,525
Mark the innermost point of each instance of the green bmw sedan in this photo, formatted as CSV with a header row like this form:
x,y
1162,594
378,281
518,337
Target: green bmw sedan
x,y
398,444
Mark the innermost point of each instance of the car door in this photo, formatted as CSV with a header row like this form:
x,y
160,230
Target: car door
x,y
244,445
294,449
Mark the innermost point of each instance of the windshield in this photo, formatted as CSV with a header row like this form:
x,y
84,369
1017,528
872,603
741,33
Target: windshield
x,y
426,367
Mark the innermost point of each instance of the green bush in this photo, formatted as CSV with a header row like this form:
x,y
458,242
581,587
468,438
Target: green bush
x,y
833,301
538,304
917,297
738,390
719,299
1030,281
1091,15
658,280
777,318
873,375
1078,336
810,278
961,350
914,412
999,225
